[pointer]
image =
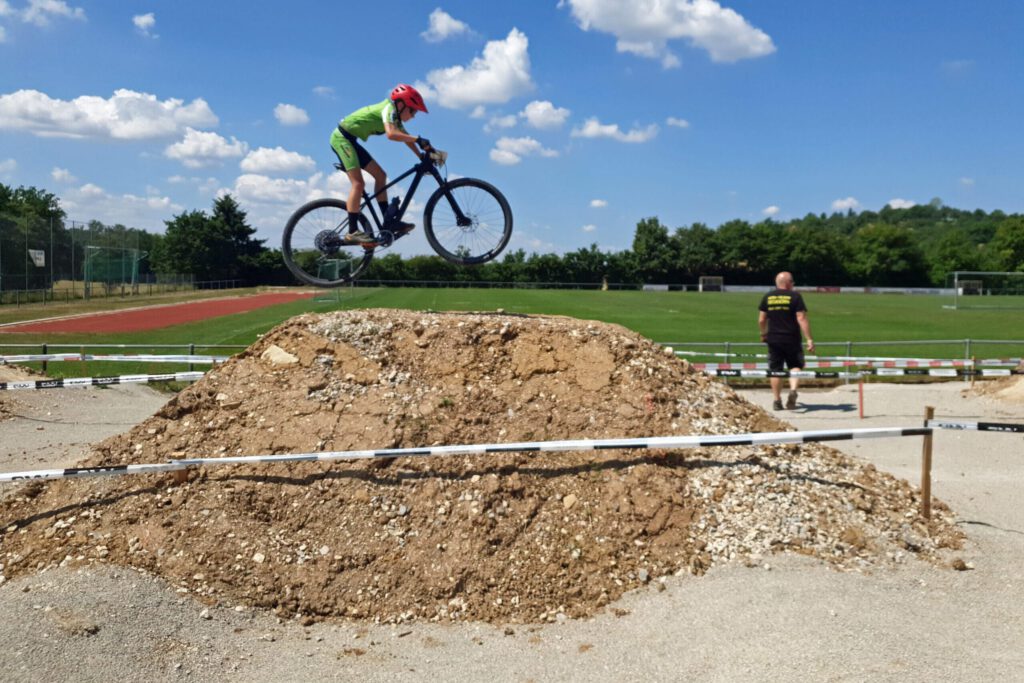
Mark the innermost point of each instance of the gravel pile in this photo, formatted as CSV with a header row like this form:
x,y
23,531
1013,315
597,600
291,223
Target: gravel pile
x,y
506,538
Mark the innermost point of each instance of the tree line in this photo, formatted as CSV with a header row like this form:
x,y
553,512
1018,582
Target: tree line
x,y
916,246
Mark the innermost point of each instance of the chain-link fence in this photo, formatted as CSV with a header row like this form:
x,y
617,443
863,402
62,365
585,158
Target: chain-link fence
x,y
45,260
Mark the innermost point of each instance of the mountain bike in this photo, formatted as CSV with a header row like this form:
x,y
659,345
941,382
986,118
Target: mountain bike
x,y
466,221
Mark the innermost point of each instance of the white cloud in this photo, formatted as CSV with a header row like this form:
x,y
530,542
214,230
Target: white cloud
x,y
598,203
290,115
443,26
902,203
198,149
479,111
846,204
543,114
7,167
39,12
770,211
254,187
644,28
3,34
62,175
677,123
91,190
324,91
5,9
127,115
592,128
967,182
91,202
510,151
958,67
276,160
145,24
503,72
498,122
590,227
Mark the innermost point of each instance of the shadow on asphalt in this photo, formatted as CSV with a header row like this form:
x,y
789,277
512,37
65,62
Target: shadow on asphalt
x,y
819,407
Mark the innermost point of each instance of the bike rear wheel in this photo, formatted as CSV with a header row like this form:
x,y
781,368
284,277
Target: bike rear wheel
x,y
482,231
313,246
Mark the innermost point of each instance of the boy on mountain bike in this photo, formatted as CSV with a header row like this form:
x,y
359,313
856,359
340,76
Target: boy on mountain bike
x,y
383,118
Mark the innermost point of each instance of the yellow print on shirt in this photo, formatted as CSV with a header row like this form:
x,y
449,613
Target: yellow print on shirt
x,y
779,302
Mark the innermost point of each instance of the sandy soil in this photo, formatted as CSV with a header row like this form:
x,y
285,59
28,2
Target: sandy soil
x,y
787,618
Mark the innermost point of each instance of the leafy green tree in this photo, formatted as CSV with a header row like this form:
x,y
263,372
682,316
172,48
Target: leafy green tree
x,y
817,256
953,251
885,255
211,247
236,227
1008,245
698,252
192,244
652,250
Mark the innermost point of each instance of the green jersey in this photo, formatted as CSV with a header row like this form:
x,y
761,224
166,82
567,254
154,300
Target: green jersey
x,y
370,120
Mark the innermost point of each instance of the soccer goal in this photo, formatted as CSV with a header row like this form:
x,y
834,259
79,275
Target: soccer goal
x,y
711,283
986,289
113,268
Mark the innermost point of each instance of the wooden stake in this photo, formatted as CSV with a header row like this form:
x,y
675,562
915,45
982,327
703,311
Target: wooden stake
x,y
860,396
926,468
180,476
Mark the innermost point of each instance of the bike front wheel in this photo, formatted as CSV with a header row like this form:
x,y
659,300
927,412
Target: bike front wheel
x,y
313,244
467,221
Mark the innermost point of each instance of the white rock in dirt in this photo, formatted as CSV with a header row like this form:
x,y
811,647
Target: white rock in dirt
x,y
278,356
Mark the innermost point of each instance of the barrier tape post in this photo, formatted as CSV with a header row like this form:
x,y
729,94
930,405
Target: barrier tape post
x,y
860,396
926,467
44,353
973,374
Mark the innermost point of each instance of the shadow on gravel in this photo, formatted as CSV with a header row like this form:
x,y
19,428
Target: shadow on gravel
x,y
669,460
381,476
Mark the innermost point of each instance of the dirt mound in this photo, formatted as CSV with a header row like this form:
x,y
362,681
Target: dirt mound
x,y
509,537
1005,388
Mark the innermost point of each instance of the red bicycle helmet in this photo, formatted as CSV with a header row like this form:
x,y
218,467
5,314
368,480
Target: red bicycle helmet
x,y
410,96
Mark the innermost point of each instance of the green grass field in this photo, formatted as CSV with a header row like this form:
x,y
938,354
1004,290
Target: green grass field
x,y
662,316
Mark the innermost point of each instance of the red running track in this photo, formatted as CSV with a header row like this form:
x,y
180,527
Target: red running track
x,y
154,317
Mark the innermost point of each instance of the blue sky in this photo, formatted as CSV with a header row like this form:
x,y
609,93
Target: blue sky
x,y
588,114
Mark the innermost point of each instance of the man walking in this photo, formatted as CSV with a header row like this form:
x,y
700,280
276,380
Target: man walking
x,y
782,317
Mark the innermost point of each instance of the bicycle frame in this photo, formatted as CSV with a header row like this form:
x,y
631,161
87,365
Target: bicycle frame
x,y
423,168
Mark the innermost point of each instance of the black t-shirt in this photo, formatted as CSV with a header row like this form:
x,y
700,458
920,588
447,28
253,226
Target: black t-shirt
x,y
782,305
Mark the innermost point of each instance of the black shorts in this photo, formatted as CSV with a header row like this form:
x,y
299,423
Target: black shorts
x,y
792,355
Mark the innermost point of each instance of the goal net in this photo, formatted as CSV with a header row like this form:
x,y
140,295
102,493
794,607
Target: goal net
x,y
711,283
985,289
112,268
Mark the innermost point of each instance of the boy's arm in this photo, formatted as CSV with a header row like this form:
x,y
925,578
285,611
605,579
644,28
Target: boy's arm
x,y
396,134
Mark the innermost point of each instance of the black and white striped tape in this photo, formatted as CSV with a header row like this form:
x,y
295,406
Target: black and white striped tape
x,y
865,360
754,439
979,426
854,374
72,382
